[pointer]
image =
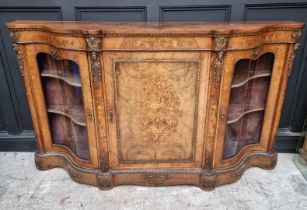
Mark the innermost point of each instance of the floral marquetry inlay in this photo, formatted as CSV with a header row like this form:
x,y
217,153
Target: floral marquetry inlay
x,y
156,103
160,106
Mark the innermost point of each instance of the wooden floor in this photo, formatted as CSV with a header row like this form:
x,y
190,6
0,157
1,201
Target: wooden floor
x,y
22,186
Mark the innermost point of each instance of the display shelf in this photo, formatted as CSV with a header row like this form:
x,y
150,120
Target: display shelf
x,y
66,133
245,131
73,112
240,84
243,114
67,77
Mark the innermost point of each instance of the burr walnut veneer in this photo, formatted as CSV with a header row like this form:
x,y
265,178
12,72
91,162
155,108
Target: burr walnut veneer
x,y
155,104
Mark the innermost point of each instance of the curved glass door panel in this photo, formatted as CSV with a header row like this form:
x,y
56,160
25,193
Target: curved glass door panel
x,y
63,96
73,136
249,91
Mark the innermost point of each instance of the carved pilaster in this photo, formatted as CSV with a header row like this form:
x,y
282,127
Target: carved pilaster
x,y
220,43
104,160
211,131
95,68
15,36
220,46
291,58
17,49
104,163
94,45
208,163
296,35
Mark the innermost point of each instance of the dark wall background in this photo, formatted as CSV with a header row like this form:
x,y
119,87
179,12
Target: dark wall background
x,y
16,130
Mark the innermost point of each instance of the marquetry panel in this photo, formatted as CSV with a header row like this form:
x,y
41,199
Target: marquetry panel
x,y
156,105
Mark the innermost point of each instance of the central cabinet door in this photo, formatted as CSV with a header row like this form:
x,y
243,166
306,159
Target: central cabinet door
x,y
156,105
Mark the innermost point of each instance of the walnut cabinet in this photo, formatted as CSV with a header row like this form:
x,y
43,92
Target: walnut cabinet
x,y
155,104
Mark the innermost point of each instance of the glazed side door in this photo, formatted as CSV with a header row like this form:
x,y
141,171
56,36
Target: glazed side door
x,y
61,98
251,101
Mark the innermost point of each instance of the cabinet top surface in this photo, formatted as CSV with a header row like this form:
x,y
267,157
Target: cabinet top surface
x,y
74,27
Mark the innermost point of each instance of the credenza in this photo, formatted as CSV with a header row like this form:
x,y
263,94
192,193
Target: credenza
x,y
155,104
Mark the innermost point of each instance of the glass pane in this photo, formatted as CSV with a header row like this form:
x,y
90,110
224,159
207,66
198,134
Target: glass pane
x,y
63,95
249,91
